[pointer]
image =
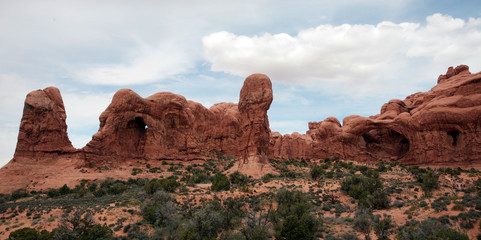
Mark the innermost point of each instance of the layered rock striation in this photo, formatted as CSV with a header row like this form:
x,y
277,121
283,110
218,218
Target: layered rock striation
x,y
439,126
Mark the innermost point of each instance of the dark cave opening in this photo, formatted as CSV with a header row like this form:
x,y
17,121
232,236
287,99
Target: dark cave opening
x,y
132,137
138,123
386,143
454,135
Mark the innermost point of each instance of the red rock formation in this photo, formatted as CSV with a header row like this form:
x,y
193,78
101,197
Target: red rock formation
x,y
255,99
167,126
435,127
43,131
162,126
438,126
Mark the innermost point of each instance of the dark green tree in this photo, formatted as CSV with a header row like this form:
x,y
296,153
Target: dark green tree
x,y
220,183
382,228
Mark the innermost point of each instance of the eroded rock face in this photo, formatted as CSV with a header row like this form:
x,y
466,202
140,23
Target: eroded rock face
x,y
162,126
167,126
43,131
255,99
438,126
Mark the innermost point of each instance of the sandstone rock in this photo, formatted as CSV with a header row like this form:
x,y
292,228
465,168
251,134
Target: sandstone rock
x,y
166,126
440,126
43,130
255,99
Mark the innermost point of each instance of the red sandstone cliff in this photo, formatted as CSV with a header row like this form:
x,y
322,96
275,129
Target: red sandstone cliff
x,y
438,126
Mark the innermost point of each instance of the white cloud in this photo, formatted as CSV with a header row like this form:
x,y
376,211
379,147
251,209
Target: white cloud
x,y
346,57
148,64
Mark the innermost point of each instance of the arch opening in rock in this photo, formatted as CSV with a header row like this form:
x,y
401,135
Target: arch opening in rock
x,y
132,137
386,143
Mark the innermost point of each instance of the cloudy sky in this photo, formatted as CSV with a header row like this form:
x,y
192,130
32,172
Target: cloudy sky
x,y
325,58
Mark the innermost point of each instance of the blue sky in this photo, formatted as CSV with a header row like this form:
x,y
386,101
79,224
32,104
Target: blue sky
x,y
325,58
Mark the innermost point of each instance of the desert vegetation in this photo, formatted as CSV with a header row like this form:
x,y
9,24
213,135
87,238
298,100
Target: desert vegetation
x,y
306,199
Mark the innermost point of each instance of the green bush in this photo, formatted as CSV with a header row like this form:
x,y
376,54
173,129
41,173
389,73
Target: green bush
x,y
428,229
136,171
367,190
363,221
53,193
382,228
28,234
294,227
440,204
220,183
160,209
169,185
426,176
268,177
239,178
206,222
317,172
292,217
17,194
379,199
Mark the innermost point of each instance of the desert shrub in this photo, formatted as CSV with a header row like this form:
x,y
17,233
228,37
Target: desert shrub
x,y
256,226
64,190
233,211
239,178
220,183
381,167
29,234
430,182
358,186
117,188
294,227
349,236
159,210
285,172
169,185
100,192
363,221
379,199
426,177
440,204
17,194
231,235
157,170
292,217
92,186
268,177
382,228
428,229
367,190
81,226
53,192
206,222
198,176
317,172
136,171
467,219
106,183
477,185
459,207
